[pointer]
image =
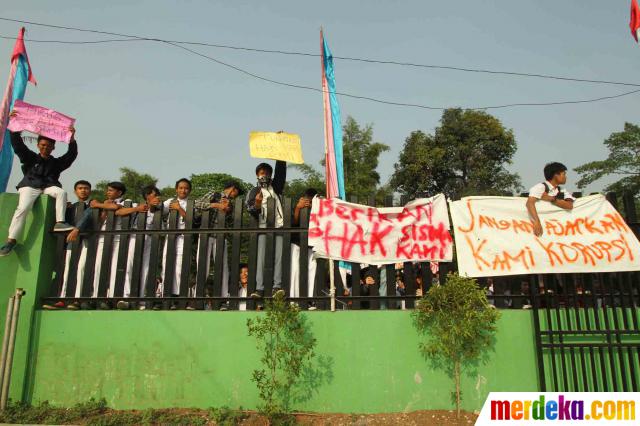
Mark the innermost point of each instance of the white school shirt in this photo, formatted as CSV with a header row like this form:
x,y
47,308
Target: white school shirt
x,y
267,193
148,217
117,219
538,189
242,306
183,204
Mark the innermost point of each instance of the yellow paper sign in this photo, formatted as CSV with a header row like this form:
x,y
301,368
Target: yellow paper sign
x,y
276,146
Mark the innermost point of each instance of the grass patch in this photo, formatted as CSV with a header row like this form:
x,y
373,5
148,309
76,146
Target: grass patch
x,y
96,412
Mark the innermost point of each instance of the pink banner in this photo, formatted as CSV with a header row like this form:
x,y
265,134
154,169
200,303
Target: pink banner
x,y
41,121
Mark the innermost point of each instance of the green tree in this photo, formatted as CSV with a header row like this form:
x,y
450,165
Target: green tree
x,y
132,180
458,325
466,155
205,182
623,160
311,179
361,158
360,163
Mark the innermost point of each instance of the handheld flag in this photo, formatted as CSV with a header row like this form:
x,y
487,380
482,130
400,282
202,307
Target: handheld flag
x,y
19,74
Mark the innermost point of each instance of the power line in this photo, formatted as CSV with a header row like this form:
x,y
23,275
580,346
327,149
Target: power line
x,y
113,40
307,54
297,86
179,45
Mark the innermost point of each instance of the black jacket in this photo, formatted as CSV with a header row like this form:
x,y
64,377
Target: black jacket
x,y
277,183
38,172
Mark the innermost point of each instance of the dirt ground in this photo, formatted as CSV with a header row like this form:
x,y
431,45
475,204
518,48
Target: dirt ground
x,y
429,418
248,418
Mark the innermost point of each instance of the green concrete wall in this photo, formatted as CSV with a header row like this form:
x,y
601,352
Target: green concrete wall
x,y
30,267
160,359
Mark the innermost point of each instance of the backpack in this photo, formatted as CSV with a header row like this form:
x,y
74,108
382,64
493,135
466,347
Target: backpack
x,y
559,196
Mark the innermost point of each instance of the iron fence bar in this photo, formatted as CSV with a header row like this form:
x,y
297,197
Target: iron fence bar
x,y
538,337
547,309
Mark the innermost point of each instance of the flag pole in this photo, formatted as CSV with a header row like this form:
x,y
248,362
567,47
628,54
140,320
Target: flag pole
x,y
332,282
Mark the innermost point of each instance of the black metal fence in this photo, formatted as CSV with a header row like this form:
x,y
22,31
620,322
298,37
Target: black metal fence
x,y
107,265
139,259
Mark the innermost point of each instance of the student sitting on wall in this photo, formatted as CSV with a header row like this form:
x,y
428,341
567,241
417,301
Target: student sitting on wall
x,y
41,176
82,189
550,191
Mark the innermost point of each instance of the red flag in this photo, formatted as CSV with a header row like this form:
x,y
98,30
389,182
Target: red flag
x,y
634,22
19,49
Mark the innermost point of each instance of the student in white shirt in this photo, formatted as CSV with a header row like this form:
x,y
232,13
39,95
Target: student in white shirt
x,y
179,203
219,201
142,212
113,202
550,191
82,189
294,288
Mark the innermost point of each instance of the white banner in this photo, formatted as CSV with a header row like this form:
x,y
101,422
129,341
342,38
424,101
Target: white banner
x,y
549,408
494,236
417,232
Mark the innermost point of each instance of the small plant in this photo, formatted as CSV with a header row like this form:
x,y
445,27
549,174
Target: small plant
x,y
459,326
287,349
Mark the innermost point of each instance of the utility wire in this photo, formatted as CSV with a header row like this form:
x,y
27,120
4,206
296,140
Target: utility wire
x,y
113,40
348,95
179,45
315,55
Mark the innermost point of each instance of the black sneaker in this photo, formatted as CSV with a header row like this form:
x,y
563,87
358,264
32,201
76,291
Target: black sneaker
x,y
157,306
7,248
62,227
225,306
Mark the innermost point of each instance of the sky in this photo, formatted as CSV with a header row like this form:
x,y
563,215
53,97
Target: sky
x,y
159,110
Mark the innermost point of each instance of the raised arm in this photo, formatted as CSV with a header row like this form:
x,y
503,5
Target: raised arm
x,y
24,154
69,157
279,177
